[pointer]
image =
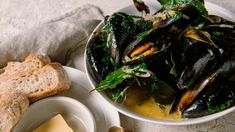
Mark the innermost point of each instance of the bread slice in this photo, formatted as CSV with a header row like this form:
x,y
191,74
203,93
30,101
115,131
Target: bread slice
x,y
49,80
12,107
31,63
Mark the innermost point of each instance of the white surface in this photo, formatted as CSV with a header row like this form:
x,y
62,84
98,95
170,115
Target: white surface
x,y
75,113
212,9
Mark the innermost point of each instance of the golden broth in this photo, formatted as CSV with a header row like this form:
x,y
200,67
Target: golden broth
x,y
139,101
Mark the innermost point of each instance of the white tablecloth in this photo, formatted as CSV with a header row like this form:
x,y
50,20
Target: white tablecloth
x,y
18,16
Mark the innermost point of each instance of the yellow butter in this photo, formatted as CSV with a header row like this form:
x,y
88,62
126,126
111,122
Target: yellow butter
x,y
55,124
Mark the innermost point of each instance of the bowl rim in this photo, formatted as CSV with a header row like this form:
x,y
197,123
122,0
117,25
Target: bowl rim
x,y
124,110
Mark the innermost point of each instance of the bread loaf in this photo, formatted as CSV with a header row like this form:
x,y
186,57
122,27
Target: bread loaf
x,y
13,106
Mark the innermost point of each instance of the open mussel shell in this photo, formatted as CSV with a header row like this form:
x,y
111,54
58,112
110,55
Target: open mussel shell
x,y
200,54
223,34
203,67
223,73
219,21
160,36
193,37
214,98
190,94
146,49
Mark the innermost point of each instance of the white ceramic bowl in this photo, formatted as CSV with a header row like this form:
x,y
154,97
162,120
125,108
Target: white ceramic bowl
x,y
213,9
75,113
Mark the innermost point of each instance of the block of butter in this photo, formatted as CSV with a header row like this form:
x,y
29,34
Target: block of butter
x,y
55,124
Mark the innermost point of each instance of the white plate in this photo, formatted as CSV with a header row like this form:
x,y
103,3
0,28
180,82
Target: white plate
x,y
105,115
154,6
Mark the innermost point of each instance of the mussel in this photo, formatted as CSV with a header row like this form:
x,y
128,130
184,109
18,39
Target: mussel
x,y
165,94
163,66
141,6
221,74
160,36
107,45
99,59
120,28
214,98
147,49
201,55
188,96
223,34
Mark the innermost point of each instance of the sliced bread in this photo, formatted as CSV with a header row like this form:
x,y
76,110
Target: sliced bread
x,y
12,107
31,63
49,80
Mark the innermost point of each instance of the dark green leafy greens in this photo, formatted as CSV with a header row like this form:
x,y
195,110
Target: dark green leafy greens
x,y
142,25
121,74
115,79
169,4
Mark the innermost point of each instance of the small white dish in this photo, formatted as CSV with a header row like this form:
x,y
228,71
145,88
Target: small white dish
x,y
77,115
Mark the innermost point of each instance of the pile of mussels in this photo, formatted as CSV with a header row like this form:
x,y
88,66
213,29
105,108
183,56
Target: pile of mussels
x,y
182,55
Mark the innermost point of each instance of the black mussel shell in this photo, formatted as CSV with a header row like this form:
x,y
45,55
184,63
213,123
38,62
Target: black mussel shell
x,y
141,6
228,69
223,34
219,20
163,67
165,94
99,60
167,88
165,30
106,47
202,68
121,29
156,44
200,55
214,98
200,83
190,11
